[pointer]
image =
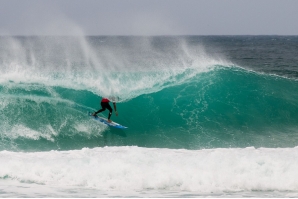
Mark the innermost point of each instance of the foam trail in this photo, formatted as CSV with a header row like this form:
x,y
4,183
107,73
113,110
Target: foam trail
x,y
40,113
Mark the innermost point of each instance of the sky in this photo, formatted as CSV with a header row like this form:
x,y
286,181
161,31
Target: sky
x,y
148,17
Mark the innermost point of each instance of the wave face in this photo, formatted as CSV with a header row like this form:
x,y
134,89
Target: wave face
x,y
171,95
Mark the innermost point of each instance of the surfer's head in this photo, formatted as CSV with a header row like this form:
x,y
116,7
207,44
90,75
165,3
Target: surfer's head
x,y
113,99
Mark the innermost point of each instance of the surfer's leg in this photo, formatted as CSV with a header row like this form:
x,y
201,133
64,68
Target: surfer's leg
x,y
103,108
110,109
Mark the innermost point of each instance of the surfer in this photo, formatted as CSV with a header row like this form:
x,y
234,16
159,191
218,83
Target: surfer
x,y
105,105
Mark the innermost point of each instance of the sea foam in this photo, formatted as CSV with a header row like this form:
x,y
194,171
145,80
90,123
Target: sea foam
x,y
140,169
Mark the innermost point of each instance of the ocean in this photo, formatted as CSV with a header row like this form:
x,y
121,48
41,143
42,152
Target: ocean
x,y
207,116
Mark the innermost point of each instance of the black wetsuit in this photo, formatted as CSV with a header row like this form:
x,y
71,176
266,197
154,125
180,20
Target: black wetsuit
x,y
104,106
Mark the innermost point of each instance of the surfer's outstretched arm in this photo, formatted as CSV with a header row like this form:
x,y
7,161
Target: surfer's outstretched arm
x,y
115,108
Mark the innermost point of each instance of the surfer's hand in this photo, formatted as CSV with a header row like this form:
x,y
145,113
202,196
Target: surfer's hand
x,y
116,113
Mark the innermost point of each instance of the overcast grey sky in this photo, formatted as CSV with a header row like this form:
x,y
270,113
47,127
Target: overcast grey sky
x,y
149,17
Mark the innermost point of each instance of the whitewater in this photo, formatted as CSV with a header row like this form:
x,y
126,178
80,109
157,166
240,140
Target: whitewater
x,y
207,116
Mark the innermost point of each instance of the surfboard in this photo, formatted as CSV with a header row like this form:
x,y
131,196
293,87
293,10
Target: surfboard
x,y
105,121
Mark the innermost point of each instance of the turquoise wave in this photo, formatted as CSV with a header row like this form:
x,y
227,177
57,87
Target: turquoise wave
x,y
223,107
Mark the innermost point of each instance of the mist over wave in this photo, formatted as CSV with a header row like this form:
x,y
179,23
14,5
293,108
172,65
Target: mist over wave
x,y
125,67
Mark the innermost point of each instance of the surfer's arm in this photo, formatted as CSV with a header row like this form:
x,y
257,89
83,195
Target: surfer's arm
x,y
115,108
